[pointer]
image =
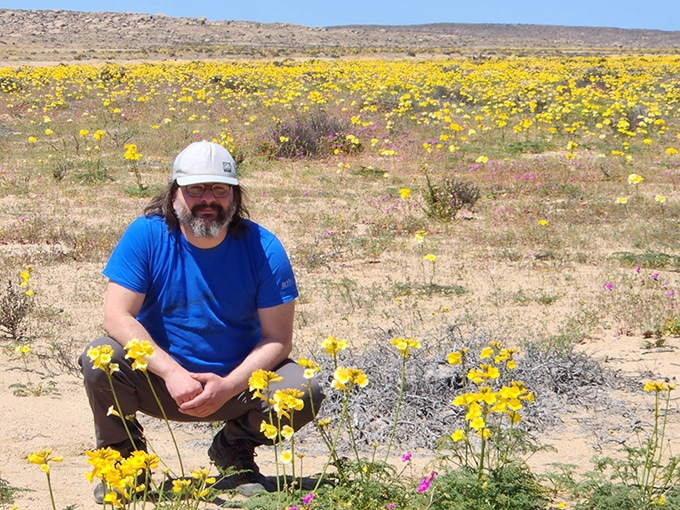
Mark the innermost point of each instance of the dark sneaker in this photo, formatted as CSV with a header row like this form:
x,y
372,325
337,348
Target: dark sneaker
x,y
238,458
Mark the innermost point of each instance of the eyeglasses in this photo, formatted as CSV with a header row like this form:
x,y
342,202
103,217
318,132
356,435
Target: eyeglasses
x,y
218,190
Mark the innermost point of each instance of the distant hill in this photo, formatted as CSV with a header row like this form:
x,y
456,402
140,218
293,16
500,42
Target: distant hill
x,y
57,35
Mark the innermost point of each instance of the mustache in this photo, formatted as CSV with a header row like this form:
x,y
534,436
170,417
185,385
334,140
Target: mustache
x,y
207,207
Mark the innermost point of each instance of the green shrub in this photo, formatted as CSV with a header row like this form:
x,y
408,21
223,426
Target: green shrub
x,y
315,135
446,198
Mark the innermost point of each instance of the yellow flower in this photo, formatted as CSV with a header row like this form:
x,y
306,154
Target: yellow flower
x,y
405,193
32,139
84,132
22,349
430,257
419,236
131,153
405,345
458,435
269,430
622,200
311,368
635,179
49,132
180,485
477,423
487,352
287,431
333,346
287,457
543,223
98,134
457,357
482,159
660,198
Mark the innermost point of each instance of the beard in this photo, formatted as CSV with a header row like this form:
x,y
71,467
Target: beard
x,y
204,227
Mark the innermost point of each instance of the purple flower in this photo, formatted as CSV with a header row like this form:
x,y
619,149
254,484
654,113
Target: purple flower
x,y
425,482
609,286
406,457
308,498
671,293
655,276
637,269
391,505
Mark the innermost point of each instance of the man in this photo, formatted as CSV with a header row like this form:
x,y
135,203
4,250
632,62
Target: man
x,y
214,293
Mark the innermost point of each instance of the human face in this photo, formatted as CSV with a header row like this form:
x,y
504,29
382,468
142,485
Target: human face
x,y
204,215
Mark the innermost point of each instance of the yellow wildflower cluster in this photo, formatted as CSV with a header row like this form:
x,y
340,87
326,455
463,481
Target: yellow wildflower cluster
x,y
122,477
404,345
259,382
131,153
658,386
287,400
25,280
487,398
333,346
42,458
196,486
139,352
101,358
311,367
347,378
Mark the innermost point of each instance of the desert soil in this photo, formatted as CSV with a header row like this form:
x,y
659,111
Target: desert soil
x,y
62,421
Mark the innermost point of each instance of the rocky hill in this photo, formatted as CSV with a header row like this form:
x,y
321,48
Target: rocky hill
x,y
56,35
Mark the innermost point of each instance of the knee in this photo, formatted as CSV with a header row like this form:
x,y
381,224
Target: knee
x,y
87,362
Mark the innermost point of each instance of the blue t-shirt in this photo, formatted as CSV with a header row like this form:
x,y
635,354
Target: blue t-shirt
x,y
201,305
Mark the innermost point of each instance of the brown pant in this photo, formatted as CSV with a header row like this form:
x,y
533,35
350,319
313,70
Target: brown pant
x,y
242,413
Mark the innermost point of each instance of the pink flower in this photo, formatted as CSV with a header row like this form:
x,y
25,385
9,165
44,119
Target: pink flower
x,y
425,483
406,457
391,505
609,286
655,276
308,498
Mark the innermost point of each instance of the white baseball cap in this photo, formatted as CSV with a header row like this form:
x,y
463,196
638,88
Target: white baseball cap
x,y
203,162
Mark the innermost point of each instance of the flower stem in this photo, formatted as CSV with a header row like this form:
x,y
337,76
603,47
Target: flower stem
x,y
167,423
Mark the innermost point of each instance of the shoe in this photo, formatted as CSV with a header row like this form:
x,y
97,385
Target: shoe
x,y
237,458
99,495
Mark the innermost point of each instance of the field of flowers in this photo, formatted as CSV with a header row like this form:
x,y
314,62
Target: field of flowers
x,y
477,208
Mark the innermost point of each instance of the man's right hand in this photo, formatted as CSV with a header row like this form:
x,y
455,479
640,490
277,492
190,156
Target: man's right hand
x,y
181,386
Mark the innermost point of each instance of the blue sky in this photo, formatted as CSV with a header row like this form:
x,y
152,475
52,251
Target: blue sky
x,y
651,14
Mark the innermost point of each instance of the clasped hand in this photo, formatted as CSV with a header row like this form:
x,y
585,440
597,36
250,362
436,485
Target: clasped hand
x,y
199,394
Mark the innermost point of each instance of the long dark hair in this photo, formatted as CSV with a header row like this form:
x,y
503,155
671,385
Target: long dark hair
x,y
162,205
